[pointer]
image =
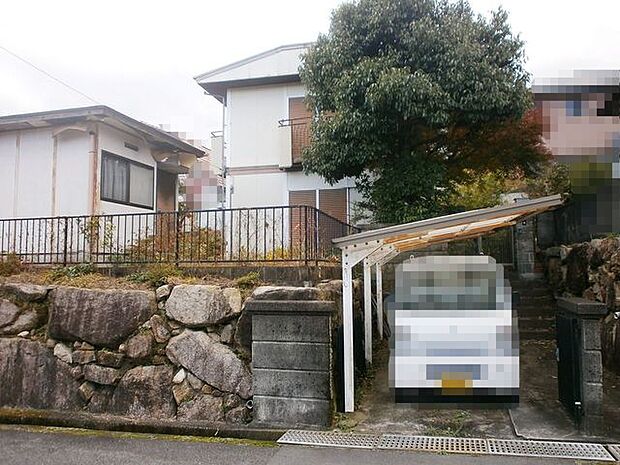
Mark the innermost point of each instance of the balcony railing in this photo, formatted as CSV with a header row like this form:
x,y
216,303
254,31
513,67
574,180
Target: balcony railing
x,y
300,135
263,234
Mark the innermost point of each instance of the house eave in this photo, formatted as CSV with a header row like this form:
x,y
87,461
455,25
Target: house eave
x,y
154,136
219,89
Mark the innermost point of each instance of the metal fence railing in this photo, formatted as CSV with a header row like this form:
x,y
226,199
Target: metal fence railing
x,y
262,234
498,244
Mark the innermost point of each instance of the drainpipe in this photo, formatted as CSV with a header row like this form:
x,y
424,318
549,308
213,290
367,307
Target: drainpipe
x,y
223,161
93,155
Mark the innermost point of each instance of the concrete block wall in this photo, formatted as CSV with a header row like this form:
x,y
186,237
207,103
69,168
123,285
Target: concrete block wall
x,y
591,361
292,361
590,358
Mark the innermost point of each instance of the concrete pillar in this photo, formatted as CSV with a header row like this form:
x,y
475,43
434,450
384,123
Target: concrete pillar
x,y
291,361
589,358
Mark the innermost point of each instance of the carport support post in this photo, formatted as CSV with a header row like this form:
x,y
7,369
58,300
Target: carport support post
x,y
379,277
351,256
347,328
367,313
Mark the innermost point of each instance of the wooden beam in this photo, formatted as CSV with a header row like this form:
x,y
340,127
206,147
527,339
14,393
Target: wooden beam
x,y
406,246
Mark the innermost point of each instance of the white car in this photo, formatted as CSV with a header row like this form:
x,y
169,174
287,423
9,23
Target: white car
x,y
454,336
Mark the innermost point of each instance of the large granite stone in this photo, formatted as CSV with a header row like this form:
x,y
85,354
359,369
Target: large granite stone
x,y
243,333
28,319
31,377
237,415
101,375
163,292
212,362
161,331
110,359
182,392
144,392
139,346
203,407
198,305
8,312
101,317
25,292
286,293
63,352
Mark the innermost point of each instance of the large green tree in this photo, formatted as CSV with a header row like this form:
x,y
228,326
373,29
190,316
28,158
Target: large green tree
x,y
413,96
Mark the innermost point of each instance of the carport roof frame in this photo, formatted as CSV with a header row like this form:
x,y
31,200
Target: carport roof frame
x,y
404,236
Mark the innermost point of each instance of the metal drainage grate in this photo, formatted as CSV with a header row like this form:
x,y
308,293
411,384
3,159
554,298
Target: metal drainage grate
x,y
569,450
615,450
330,439
435,444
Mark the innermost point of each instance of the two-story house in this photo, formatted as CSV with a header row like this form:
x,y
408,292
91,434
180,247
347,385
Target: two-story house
x,y
581,126
265,128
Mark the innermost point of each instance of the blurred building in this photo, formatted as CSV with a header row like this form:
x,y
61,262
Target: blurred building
x,y
581,126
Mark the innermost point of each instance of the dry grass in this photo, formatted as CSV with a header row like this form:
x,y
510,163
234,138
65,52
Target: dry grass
x,y
96,280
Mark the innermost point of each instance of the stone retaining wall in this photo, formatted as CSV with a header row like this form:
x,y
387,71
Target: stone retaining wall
x,y
171,354
178,353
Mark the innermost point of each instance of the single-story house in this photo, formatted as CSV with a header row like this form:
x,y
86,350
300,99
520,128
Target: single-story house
x,y
88,161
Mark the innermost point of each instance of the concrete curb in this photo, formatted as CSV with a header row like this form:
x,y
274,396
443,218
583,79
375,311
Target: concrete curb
x,y
15,416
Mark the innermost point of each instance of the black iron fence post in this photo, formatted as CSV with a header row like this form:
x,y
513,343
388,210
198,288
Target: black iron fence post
x,y
177,238
65,241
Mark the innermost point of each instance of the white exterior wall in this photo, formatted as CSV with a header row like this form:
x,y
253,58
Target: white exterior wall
x,y
260,190
72,174
32,193
8,155
26,178
254,138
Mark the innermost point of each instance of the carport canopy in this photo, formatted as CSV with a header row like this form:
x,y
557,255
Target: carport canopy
x,y
378,246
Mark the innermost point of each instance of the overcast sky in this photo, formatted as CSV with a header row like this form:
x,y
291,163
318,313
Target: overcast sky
x,y
140,56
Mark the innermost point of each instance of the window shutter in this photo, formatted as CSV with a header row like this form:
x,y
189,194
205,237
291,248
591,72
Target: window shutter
x,y
334,203
307,198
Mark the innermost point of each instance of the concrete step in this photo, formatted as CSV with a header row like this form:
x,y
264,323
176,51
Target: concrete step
x,y
532,291
537,334
540,298
537,323
535,311
529,307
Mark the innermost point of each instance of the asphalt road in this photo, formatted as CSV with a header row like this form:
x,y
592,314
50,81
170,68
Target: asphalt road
x,y
52,446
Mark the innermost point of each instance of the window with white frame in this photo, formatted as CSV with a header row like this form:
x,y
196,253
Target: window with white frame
x,y
126,181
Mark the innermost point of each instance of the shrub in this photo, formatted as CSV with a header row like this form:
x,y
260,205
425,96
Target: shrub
x,y
155,275
195,245
10,265
251,279
73,271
